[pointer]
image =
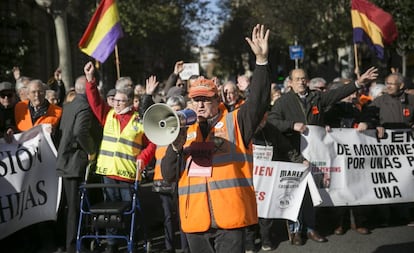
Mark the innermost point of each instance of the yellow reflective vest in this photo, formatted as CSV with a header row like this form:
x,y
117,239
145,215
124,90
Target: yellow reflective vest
x,y
229,192
119,150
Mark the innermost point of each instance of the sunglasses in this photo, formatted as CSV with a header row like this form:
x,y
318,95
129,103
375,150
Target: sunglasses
x,y
7,94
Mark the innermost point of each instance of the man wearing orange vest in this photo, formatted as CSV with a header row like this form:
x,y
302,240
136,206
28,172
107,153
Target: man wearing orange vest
x,y
36,110
216,195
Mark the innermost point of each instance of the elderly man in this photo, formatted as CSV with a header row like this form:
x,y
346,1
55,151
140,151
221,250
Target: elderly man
x,y
36,110
81,135
290,114
392,110
231,96
216,195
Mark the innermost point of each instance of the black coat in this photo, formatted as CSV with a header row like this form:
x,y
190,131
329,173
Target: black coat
x,y
81,135
392,112
289,109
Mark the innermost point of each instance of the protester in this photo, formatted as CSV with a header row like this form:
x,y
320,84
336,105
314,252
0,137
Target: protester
x,y
37,110
231,96
110,97
218,161
81,135
55,83
29,113
168,191
7,103
317,83
392,110
124,82
278,149
290,114
52,97
124,150
346,114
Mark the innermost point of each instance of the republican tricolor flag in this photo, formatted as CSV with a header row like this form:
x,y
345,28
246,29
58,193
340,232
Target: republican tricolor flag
x,y
103,31
373,26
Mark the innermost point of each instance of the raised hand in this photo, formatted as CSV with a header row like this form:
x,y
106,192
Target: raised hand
x,y
259,43
150,85
370,75
89,71
178,67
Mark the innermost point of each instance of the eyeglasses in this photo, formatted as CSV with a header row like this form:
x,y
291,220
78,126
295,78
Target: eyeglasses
x,y
7,94
121,101
389,83
320,88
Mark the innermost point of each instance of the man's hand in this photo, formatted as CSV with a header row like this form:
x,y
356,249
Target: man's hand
x,y
140,165
8,135
178,144
299,127
91,157
178,67
380,132
259,43
362,126
89,71
370,75
150,85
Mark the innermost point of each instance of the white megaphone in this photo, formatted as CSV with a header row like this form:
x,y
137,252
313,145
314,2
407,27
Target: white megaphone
x,y
162,124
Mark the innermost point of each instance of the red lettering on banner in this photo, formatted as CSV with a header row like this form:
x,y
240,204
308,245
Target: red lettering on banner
x,y
263,171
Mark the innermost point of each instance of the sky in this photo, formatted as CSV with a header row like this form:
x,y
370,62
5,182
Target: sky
x,y
207,36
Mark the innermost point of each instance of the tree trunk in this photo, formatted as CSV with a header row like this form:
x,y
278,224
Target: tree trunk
x,y
62,38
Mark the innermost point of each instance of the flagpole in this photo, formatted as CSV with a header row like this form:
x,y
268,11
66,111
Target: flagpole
x,y
118,71
356,71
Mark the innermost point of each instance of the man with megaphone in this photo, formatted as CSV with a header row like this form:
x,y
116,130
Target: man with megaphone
x,y
215,183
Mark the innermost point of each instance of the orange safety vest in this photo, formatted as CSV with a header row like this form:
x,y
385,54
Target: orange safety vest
x,y
24,119
229,192
159,154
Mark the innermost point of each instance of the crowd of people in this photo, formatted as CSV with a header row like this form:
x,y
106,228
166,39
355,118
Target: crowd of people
x,y
204,178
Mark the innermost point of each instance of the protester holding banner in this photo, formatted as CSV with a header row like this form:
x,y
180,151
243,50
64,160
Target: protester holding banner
x,y
36,110
269,145
216,195
124,145
81,136
345,114
392,110
291,113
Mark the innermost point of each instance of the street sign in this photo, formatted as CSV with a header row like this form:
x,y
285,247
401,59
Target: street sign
x,y
296,52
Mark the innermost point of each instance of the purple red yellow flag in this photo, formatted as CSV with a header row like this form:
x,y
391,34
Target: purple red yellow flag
x,y
372,25
103,31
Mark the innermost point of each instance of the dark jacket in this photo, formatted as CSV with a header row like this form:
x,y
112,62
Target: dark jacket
x,y
392,112
282,149
342,115
289,109
81,135
249,116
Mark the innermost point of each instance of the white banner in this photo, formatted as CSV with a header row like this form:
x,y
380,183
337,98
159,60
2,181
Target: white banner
x,y
29,186
280,187
354,168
